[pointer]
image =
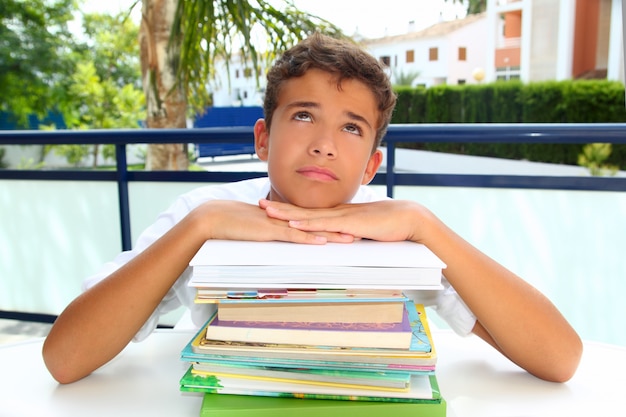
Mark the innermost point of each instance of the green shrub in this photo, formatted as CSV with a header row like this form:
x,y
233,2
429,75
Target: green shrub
x,y
585,101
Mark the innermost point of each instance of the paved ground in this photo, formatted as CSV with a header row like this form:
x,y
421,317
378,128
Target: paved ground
x,y
15,331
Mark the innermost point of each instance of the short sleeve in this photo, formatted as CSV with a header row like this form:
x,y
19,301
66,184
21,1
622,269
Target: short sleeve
x,y
448,305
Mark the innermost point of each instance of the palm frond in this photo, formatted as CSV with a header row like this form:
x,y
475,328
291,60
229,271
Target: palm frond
x,y
208,30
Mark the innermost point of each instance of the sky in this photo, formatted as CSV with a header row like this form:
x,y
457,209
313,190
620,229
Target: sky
x,y
371,20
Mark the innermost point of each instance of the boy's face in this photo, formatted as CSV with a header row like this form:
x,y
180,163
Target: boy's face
x,y
319,150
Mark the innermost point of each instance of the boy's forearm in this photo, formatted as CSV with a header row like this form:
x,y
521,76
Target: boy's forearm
x,y
96,326
511,314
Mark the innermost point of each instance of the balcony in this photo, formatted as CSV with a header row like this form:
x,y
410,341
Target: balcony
x,y
564,233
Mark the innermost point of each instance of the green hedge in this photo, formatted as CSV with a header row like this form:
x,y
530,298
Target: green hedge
x,y
588,101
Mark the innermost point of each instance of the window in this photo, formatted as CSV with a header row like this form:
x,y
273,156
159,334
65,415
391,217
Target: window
x,y
385,60
410,56
461,81
433,54
236,73
508,73
462,53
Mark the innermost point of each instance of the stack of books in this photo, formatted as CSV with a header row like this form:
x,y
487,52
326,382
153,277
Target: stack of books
x,y
299,327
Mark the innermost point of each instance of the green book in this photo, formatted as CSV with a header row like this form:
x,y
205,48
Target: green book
x,y
422,389
242,405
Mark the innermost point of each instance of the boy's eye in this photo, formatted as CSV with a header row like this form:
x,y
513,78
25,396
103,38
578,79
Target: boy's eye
x,y
302,116
354,129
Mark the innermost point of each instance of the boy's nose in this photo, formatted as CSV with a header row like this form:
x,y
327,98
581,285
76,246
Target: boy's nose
x,y
321,151
323,145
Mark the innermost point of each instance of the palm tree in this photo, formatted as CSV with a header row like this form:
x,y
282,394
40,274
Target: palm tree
x,y
180,41
405,79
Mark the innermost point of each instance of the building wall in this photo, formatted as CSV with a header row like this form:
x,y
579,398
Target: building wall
x,y
447,68
544,40
560,39
470,37
430,72
585,36
604,29
508,57
236,85
513,24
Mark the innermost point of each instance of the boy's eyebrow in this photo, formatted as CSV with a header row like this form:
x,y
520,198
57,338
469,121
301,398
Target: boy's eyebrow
x,y
312,104
359,118
305,104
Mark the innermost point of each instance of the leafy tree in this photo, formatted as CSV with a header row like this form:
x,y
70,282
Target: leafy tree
x,y
104,90
593,157
181,40
112,45
35,53
473,6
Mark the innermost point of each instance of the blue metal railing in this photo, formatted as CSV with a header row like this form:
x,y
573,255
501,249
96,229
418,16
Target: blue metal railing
x,y
452,133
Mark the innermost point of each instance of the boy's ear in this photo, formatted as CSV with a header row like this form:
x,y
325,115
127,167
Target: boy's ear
x,y
372,167
261,138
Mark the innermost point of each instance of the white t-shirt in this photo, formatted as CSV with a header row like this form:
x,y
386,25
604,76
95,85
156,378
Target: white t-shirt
x,y
445,302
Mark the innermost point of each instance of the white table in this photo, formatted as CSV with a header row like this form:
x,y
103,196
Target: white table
x,y
143,381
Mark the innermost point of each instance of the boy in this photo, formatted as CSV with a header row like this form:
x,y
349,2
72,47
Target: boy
x,y
327,107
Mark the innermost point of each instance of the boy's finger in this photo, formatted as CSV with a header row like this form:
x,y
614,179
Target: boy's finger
x,y
299,236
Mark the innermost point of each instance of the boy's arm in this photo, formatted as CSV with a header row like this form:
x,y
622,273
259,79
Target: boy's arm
x,y
511,314
99,323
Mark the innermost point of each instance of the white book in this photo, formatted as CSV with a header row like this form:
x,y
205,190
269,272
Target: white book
x,y
361,264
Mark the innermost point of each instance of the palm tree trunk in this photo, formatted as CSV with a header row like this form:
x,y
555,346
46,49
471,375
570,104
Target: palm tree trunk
x,y
166,104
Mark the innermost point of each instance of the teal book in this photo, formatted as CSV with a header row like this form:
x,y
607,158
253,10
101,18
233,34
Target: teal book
x,y
246,406
289,364
398,380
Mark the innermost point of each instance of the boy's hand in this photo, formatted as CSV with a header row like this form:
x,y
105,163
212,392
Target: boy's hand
x,y
387,220
234,220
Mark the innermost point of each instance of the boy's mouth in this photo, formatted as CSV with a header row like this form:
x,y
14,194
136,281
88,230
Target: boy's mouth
x,y
317,173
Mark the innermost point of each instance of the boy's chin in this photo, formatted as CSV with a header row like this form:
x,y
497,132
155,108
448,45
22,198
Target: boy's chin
x,y
317,202
312,197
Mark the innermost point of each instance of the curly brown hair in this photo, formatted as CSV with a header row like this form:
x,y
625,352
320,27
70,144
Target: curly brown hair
x,y
339,57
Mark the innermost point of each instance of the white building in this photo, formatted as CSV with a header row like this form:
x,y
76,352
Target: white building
x,y
237,84
445,53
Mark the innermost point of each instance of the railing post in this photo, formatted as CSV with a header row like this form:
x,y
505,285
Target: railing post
x,y
122,191
391,160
